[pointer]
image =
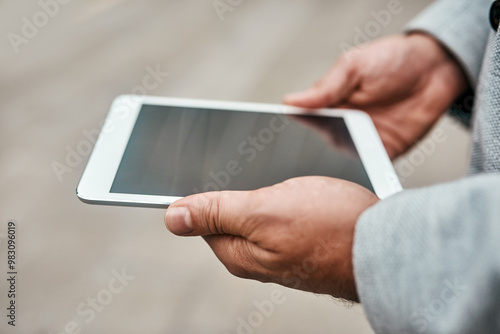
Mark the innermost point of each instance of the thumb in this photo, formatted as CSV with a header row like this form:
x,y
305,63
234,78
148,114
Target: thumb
x,y
332,90
209,214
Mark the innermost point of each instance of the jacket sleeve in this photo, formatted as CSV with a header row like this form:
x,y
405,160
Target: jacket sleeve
x,y
462,27
428,260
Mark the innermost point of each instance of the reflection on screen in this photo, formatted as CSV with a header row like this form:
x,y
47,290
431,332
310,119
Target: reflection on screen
x,y
177,151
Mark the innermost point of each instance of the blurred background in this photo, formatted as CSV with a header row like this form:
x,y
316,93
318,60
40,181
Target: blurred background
x,y
63,62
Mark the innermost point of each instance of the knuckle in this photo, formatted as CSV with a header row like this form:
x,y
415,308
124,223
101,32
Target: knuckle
x,y
211,213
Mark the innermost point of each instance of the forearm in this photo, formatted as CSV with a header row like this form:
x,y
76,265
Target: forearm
x,y
427,260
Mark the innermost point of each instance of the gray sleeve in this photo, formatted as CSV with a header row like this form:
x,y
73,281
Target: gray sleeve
x,y
428,260
460,25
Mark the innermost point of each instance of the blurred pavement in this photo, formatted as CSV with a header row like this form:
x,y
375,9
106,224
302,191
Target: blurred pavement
x,y
59,86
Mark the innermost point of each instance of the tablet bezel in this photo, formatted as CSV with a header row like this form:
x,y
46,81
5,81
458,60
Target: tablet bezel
x,y
98,177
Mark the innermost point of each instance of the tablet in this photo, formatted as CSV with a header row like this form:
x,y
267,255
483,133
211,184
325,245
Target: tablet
x,y
152,150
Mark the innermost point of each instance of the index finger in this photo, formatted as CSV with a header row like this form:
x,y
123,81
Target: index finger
x,y
333,89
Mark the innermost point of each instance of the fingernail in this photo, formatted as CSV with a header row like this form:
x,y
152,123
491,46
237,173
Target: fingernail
x,y
178,221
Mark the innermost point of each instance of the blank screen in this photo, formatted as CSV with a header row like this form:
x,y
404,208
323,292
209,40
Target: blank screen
x,y
179,151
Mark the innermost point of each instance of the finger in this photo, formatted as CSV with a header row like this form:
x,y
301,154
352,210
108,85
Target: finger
x,y
239,256
227,212
381,93
333,89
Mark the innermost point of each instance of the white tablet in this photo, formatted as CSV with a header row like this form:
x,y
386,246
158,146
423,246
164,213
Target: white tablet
x,y
153,151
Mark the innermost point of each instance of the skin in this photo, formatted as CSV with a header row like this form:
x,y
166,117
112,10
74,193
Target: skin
x,y
404,82
300,233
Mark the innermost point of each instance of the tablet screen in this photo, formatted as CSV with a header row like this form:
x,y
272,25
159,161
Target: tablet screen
x,y
179,151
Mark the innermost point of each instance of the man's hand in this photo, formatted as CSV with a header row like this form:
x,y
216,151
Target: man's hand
x,y
298,233
404,82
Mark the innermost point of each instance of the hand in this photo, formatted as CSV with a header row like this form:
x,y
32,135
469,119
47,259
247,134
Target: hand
x,y
298,233
404,82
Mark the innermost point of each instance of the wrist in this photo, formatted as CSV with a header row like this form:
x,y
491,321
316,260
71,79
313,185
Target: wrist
x,y
350,291
442,57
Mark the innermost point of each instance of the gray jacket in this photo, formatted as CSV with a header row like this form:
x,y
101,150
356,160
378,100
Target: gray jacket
x,y
428,260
